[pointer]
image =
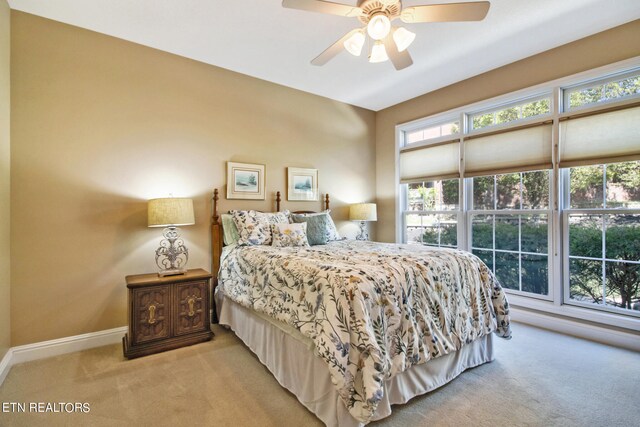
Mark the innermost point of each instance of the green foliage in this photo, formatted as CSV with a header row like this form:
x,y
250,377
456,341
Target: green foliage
x,y
448,235
604,92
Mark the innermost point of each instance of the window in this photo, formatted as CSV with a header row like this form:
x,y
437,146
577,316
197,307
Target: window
x,y
603,236
545,189
602,91
431,217
432,132
511,113
510,228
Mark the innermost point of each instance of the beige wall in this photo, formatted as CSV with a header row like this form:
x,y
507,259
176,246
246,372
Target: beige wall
x,y
600,49
5,106
100,125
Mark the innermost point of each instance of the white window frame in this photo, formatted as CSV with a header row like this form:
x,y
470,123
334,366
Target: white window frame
x,y
557,301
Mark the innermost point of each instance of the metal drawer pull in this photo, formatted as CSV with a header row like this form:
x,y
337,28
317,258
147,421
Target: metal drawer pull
x,y
191,301
152,314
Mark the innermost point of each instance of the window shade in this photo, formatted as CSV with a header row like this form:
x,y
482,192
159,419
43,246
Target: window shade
x,y
430,163
608,137
515,150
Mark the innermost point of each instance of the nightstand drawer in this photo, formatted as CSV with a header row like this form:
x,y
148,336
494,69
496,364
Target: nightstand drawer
x,y
152,314
191,304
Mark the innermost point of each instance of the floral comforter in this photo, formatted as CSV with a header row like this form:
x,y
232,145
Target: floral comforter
x,y
372,309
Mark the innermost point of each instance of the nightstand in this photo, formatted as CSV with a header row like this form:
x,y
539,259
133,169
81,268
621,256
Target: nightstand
x,y
167,312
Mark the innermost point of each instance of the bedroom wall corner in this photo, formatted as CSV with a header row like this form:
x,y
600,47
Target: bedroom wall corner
x,y
5,175
607,47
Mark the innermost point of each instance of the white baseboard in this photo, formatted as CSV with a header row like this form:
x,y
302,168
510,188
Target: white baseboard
x,y
576,328
41,350
5,365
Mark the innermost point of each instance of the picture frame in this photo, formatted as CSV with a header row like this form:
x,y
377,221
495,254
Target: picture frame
x,y
245,181
302,184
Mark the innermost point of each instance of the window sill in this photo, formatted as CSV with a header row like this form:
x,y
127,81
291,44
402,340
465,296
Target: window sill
x,y
585,314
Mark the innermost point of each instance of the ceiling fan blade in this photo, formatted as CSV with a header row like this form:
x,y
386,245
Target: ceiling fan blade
x,y
472,11
400,60
323,7
330,52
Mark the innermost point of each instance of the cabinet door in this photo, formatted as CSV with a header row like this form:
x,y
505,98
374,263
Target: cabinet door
x,y
191,316
151,313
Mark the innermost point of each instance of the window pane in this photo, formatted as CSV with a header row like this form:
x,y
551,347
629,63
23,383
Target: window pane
x,y
482,121
415,197
585,235
483,190
482,231
507,115
432,132
604,92
535,190
623,285
534,233
485,256
623,237
433,196
536,108
449,230
586,187
432,229
585,280
507,270
508,187
623,185
450,194
412,137
535,274
507,233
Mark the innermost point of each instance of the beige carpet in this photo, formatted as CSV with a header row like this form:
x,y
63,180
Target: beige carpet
x,y
539,378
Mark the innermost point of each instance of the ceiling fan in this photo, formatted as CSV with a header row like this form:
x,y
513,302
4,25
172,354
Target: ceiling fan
x,y
389,42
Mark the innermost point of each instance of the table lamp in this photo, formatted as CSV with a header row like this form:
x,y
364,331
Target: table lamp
x,y
172,255
363,212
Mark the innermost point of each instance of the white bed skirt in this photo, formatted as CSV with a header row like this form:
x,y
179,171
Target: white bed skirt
x,y
290,358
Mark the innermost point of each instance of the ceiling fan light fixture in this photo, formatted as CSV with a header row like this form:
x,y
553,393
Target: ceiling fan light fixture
x,y
378,53
388,2
403,38
379,26
355,42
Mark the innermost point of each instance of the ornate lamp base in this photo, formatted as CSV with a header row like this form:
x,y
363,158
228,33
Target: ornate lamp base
x,y
363,235
172,255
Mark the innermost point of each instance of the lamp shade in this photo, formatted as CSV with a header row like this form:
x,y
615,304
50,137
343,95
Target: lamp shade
x,y
363,212
170,212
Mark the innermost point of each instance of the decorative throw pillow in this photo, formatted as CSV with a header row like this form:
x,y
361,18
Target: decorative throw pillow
x,y
254,227
289,235
316,228
229,230
332,231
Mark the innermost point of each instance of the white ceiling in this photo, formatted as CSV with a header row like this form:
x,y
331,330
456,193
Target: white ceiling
x,y
261,39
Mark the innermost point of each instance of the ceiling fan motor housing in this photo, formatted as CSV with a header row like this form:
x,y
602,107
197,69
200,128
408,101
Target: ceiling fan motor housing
x,y
375,7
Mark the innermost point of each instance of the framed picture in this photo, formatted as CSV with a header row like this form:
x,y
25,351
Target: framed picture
x,y
302,184
245,181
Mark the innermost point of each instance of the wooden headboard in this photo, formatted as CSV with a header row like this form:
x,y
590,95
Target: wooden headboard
x,y
217,242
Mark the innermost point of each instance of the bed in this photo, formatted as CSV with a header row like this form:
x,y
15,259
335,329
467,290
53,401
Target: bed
x,y
351,328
